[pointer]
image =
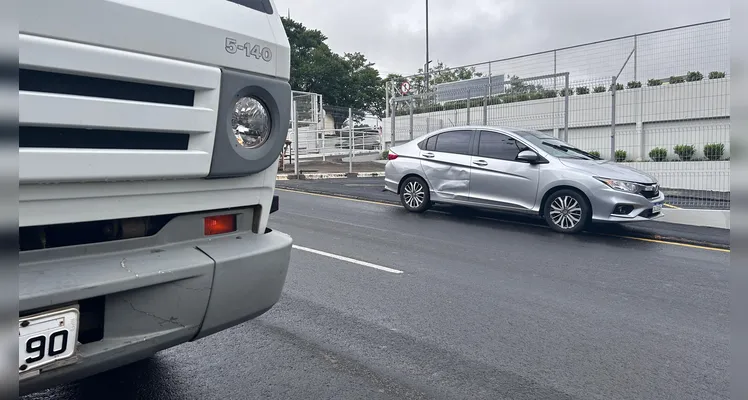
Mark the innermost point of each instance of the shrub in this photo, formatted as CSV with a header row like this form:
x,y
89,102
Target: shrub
x,y
598,89
658,154
583,90
549,93
676,79
714,151
619,87
564,92
620,155
634,85
384,155
716,75
684,151
654,82
595,153
694,76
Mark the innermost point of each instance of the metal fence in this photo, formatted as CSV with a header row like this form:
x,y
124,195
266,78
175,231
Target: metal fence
x,y
329,134
659,101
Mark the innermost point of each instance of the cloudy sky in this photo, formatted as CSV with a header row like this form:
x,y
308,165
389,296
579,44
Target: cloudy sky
x,y
391,33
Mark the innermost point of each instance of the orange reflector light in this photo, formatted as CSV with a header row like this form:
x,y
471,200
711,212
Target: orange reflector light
x,y
219,224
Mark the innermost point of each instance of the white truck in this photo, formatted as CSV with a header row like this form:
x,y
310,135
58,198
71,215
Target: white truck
x,y
149,138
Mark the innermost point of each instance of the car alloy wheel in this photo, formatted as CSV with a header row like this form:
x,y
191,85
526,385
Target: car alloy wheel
x,y
567,211
414,195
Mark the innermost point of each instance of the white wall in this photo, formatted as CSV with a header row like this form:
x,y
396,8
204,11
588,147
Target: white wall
x,y
694,113
697,175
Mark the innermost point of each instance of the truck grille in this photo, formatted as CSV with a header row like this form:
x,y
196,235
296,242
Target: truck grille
x,y
62,83
88,113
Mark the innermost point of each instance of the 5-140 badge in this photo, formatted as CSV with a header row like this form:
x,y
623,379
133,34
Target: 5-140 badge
x,y
249,50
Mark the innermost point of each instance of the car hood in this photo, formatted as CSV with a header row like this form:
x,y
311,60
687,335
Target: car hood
x,y
610,170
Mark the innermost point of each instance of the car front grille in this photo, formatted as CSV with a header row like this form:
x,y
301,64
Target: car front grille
x,y
650,191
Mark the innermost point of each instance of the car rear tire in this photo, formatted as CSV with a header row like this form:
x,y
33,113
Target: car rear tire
x,y
567,211
415,195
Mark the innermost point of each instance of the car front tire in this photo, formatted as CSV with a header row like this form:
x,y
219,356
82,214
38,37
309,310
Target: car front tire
x,y
567,211
415,195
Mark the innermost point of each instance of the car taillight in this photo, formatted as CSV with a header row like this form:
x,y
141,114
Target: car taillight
x,y
391,156
219,224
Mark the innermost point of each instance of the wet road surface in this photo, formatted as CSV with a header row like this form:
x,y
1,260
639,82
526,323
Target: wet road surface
x,y
372,189
458,308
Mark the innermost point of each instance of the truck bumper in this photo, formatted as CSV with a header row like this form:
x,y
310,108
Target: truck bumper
x,y
154,298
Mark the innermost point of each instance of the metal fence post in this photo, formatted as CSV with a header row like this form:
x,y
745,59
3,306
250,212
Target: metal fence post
x,y
386,109
313,98
410,122
566,107
469,100
485,110
490,92
425,104
350,140
393,115
295,140
613,119
324,116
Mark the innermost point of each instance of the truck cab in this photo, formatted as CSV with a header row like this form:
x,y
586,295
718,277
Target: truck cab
x,y
149,136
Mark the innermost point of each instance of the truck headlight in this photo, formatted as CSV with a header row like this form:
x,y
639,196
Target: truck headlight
x,y
250,122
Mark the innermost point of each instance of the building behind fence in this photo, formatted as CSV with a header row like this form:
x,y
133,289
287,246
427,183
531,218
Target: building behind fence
x,y
659,101
325,132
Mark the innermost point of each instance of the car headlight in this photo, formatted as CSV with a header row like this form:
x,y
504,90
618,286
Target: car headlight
x,y
250,122
623,186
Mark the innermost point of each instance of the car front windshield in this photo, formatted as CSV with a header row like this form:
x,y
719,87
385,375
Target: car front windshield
x,y
554,146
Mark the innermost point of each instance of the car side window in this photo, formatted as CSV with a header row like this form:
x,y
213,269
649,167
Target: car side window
x,y
499,146
431,143
455,142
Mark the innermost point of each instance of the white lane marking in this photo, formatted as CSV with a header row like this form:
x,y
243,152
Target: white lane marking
x,y
346,259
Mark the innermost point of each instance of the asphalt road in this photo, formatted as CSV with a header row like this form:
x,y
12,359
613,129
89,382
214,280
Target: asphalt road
x,y
483,309
372,189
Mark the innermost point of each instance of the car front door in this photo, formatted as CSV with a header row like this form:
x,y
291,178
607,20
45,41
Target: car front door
x,y
445,160
497,177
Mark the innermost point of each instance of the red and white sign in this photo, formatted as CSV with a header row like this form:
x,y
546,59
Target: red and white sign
x,y
405,88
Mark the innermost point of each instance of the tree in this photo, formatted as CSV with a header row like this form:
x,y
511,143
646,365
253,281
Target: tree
x,y
439,73
518,86
348,81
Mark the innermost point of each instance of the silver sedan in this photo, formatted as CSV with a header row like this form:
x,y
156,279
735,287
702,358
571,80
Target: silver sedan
x,y
519,170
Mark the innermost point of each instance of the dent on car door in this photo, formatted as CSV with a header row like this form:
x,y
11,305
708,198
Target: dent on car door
x,y
497,177
446,162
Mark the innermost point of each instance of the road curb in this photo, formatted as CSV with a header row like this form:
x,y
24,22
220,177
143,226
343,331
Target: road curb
x,y
329,175
709,218
629,234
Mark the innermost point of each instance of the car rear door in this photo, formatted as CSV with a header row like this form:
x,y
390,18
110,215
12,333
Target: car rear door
x,y
445,160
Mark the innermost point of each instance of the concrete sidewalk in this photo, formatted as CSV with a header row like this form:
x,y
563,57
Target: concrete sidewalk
x,y
339,166
696,227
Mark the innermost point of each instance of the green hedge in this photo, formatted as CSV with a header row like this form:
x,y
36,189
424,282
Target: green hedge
x,y
507,98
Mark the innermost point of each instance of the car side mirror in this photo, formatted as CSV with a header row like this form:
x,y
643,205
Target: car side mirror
x,y
529,156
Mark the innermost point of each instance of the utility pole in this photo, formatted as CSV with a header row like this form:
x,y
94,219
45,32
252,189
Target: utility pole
x,y
426,68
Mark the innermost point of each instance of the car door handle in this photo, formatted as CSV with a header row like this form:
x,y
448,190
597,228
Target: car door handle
x,y
428,155
480,163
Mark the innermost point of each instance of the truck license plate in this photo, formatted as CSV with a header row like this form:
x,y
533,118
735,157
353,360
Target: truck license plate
x,y
46,338
656,208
